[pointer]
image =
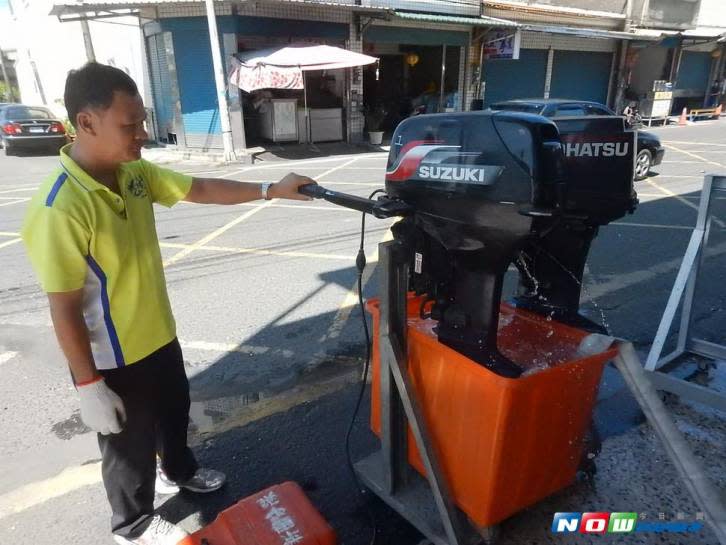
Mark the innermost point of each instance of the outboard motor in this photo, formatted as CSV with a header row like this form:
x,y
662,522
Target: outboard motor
x,y
481,190
599,163
479,184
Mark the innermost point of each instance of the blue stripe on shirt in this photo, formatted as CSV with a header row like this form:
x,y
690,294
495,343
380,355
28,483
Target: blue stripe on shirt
x,y
96,268
55,189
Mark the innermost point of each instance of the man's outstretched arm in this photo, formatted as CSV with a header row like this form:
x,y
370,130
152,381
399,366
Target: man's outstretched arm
x,y
219,191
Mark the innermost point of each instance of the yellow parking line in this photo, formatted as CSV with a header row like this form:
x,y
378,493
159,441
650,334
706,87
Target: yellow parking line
x,y
334,169
351,298
695,156
688,203
694,143
18,189
16,201
9,234
257,251
651,225
35,493
10,242
214,234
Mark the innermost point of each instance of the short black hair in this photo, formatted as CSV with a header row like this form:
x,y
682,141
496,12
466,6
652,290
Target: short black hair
x,y
93,85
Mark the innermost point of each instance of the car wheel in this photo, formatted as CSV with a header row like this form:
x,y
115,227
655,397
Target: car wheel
x,y
642,164
8,150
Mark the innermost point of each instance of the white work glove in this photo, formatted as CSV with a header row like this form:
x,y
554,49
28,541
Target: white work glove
x,y
101,408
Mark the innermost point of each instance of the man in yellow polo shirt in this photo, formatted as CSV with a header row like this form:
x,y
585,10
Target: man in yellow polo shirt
x,y
91,238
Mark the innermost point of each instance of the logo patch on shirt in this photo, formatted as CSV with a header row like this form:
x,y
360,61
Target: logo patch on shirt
x,y
137,187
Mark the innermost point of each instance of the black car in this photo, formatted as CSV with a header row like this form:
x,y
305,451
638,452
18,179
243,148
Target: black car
x,y
650,150
30,128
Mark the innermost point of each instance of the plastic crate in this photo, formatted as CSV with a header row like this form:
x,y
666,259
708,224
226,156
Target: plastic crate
x,y
503,443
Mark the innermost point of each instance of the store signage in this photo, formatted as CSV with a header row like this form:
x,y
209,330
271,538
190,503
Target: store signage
x,y
502,44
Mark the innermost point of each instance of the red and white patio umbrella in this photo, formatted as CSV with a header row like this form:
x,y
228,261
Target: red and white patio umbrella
x,y
284,68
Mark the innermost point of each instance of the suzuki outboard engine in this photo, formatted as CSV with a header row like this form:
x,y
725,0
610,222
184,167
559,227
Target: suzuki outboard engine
x,y
481,190
489,189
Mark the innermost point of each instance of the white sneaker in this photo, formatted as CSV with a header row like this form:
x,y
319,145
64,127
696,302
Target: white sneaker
x,y
205,480
159,532
164,485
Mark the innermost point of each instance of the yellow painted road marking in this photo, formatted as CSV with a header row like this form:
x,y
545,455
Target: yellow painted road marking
x,y
10,242
229,347
683,200
623,280
287,164
680,162
326,208
334,169
18,189
653,225
351,298
694,143
256,251
15,201
7,356
695,156
9,234
33,494
211,236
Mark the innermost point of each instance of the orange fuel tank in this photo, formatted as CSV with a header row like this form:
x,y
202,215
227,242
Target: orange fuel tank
x,y
503,443
279,515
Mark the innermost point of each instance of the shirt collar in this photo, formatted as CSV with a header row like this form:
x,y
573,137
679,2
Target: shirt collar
x,y
77,173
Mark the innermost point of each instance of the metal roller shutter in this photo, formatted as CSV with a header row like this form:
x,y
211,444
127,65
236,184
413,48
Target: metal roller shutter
x,y
581,75
694,71
199,106
509,79
160,86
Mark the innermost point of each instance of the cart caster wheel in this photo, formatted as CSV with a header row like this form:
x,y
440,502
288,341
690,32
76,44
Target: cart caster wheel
x,y
489,535
668,398
588,469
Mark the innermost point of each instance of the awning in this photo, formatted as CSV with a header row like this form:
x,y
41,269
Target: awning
x,y
703,33
282,68
98,9
589,32
698,33
455,20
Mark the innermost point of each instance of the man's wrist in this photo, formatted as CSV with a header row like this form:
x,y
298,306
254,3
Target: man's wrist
x,y
265,189
89,381
272,191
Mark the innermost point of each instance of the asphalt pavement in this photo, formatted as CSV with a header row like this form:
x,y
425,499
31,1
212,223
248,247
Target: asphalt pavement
x,y
264,301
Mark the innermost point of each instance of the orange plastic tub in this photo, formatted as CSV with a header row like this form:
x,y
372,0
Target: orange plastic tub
x,y
503,443
279,515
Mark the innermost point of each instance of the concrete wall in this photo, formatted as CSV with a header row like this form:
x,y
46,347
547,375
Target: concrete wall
x,y
55,48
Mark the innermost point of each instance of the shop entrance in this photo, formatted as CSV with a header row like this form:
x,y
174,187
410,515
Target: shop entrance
x,y
409,80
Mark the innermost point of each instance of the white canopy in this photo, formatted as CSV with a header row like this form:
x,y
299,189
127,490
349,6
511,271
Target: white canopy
x,y
282,68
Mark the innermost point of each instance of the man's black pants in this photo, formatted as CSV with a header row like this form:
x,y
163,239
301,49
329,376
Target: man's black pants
x,y
155,392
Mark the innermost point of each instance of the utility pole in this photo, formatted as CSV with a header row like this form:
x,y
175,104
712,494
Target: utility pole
x,y
87,41
622,67
229,154
36,76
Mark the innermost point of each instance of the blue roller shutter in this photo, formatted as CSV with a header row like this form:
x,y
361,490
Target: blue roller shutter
x,y
199,106
694,71
581,75
509,79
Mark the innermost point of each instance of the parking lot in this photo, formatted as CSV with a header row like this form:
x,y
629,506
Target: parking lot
x,y
264,299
